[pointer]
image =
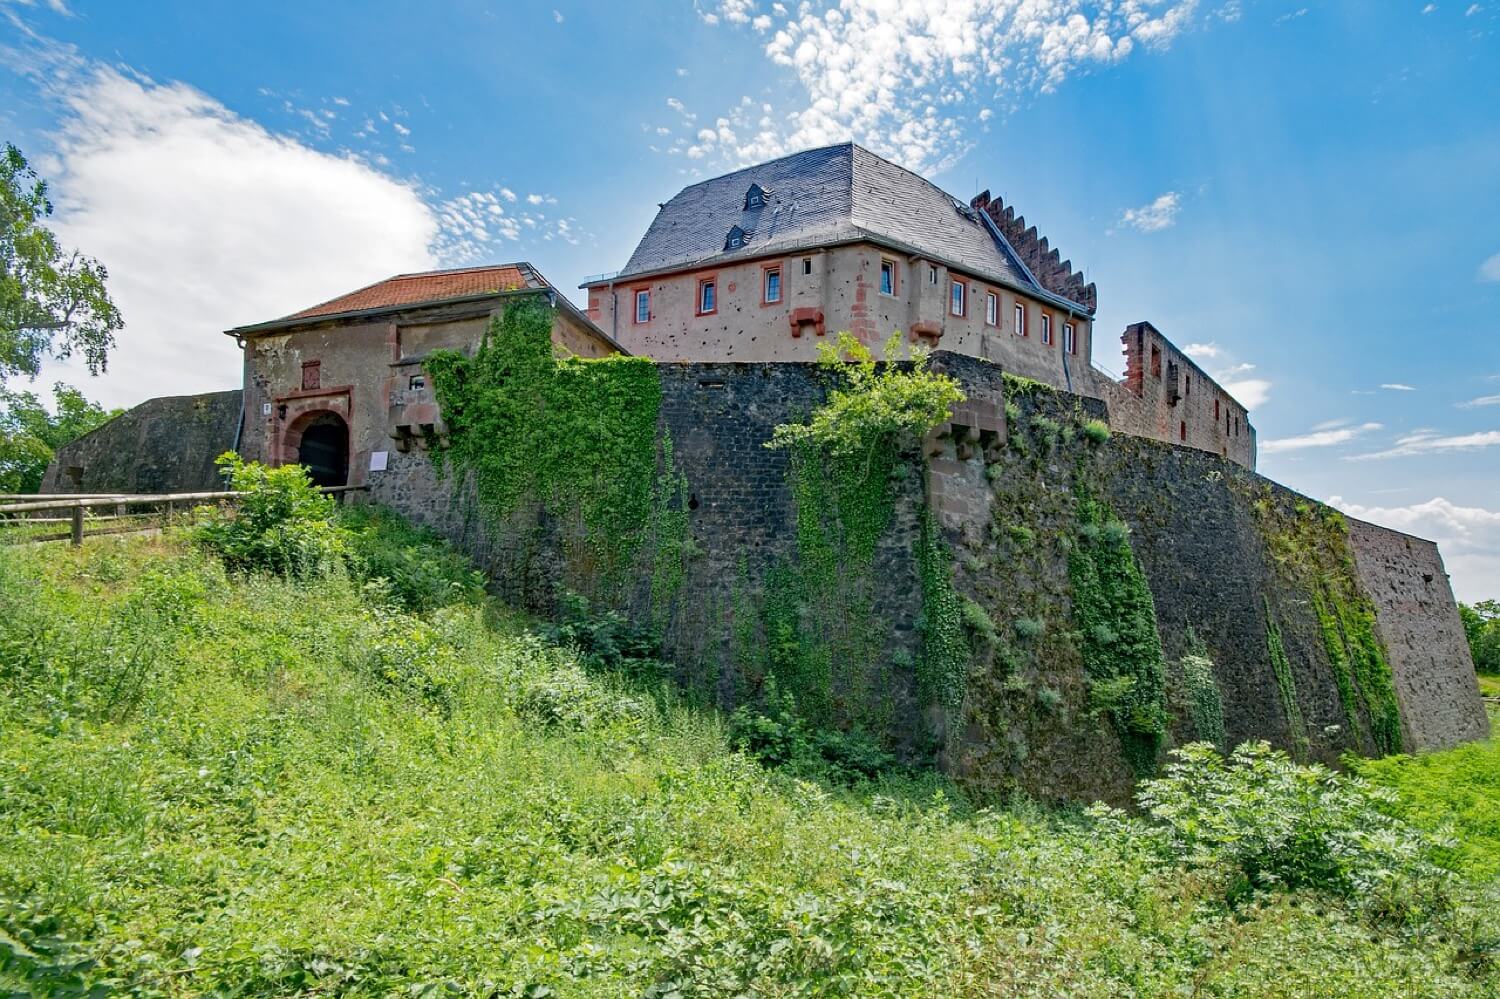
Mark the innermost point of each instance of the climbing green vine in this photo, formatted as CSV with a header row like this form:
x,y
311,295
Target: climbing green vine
x,y
1310,546
1205,702
577,436
1286,684
1116,618
820,613
943,668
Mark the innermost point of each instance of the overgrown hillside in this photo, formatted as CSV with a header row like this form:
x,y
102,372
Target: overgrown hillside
x,y
362,778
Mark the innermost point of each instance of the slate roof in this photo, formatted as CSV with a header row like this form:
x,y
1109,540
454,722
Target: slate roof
x,y
428,286
842,193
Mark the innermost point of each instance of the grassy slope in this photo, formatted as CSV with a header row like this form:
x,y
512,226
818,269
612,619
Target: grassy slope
x,y
214,783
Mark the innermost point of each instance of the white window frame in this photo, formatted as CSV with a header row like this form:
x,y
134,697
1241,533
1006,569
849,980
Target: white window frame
x,y
991,308
642,297
1046,330
1020,319
1070,339
932,274
704,284
958,298
765,285
887,266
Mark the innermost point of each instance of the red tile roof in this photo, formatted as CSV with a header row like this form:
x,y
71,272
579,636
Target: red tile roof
x,y
429,286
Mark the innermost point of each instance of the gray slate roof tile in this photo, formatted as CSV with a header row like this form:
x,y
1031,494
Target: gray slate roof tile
x,y
822,196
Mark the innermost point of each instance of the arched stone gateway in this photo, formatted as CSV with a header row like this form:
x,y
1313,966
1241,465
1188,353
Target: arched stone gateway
x,y
320,440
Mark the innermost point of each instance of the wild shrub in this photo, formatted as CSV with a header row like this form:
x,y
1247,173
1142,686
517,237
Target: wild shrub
x,y
607,640
1270,823
1096,431
423,570
282,524
777,736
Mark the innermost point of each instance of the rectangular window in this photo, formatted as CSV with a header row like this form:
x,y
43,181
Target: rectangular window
x,y
956,298
991,308
1070,343
1182,430
643,306
708,300
806,266
1046,329
1216,409
416,382
932,275
1020,319
1155,361
311,374
772,285
888,277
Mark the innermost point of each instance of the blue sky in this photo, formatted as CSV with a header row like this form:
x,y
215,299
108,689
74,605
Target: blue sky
x,y
1308,192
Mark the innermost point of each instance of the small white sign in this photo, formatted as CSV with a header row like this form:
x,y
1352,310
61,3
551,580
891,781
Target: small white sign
x,y
265,409
377,460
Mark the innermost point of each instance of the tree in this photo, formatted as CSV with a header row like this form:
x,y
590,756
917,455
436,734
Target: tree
x,y
52,301
1482,629
30,435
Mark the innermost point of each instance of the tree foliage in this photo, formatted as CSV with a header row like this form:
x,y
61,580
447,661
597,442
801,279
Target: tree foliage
x,y
872,404
53,302
30,434
1482,629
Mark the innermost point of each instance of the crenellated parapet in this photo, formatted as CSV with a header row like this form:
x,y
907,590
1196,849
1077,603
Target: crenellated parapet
x,y
1043,260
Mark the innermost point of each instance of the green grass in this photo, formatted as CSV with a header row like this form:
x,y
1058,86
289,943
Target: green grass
x,y
1489,686
1457,790
241,785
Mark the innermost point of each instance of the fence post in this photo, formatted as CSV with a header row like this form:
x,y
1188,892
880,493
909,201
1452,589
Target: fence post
x,y
77,526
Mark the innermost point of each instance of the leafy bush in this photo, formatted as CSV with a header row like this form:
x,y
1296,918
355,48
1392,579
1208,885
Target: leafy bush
x,y
1028,628
282,523
979,622
1482,629
1097,431
423,571
1270,823
607,640
778,736
871,404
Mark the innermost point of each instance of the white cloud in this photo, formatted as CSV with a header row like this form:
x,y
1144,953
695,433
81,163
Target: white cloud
x,y
1397,387
1468,536
1490,269
557,16
1484,400
1474,8
1158,215
1291,15
906,79
1429,8
1429,442
1251,393
1327,436
1202,351
206,220
1230,12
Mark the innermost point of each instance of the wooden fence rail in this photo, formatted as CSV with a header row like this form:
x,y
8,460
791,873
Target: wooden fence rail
x,y
164,505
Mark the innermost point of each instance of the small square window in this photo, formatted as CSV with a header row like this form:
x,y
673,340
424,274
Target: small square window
x,y
643,306
1020,319
1046,329
806,266
888,277
772,290
708,301
416,382
1070,341
991,308
956,298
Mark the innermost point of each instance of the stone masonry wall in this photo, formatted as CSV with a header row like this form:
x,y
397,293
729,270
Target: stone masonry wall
x,y
1419,626
164,445
1004,500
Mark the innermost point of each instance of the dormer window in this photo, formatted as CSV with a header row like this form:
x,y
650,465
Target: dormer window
x,y
736,239
755,198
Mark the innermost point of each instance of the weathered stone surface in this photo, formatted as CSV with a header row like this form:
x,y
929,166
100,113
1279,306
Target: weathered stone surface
x,y
1423,637
164,445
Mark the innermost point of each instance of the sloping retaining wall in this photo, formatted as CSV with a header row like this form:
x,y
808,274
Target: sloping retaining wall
x,y
1210,537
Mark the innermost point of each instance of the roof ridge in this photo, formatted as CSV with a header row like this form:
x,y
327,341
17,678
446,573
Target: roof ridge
x,y
765,163
518,265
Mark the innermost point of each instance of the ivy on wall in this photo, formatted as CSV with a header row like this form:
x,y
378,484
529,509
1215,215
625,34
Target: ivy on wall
x,y
943,668
578,437
1205,701
1116,618
1286,683
1310,546
820,612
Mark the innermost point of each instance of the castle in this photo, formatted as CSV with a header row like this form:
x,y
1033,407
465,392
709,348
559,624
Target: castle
x,y
1325,635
